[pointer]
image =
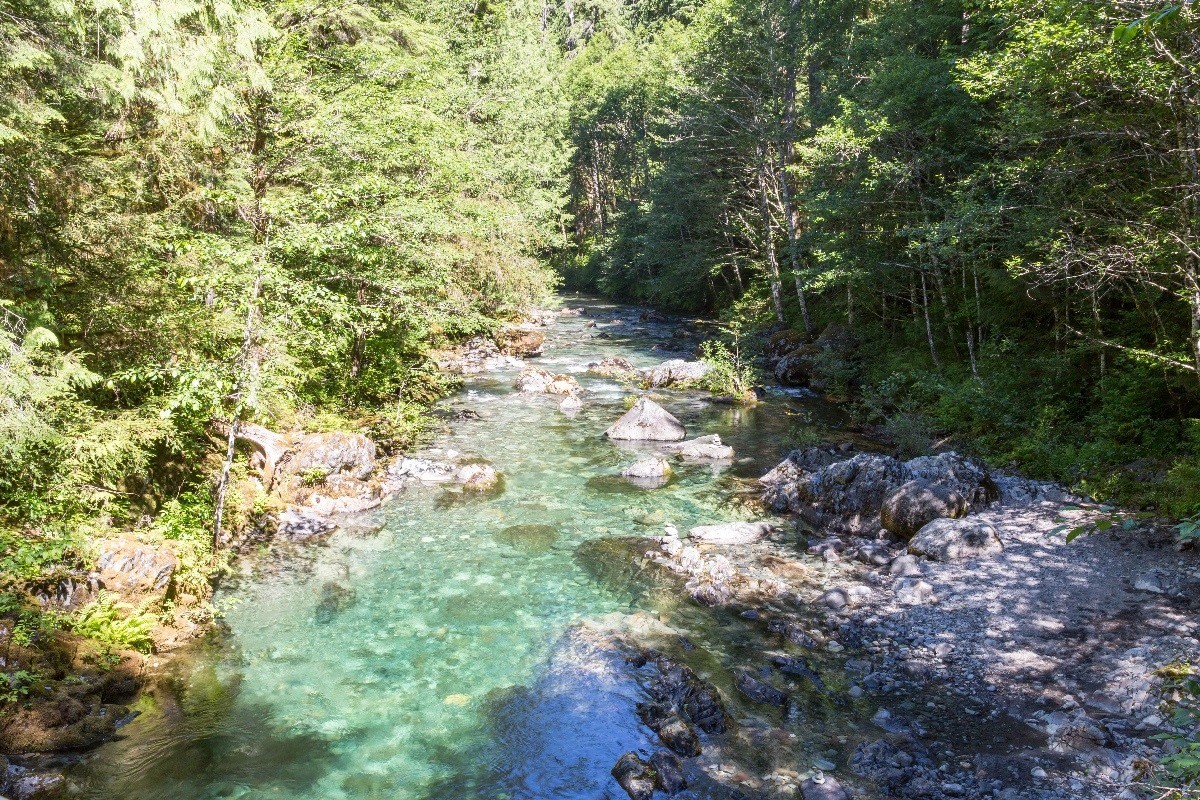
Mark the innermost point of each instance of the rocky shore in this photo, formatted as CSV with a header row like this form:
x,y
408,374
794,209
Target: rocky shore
x,y
1001,661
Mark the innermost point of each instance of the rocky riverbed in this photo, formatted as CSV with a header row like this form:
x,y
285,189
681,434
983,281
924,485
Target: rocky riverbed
x,y
549,612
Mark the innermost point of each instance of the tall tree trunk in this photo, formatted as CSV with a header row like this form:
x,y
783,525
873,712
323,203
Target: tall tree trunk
x,y
764,208
928,326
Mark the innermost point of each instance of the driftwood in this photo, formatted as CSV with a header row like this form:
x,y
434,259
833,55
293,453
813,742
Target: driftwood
x,y
269,446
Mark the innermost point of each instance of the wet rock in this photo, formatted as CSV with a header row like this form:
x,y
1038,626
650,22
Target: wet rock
x,y
671,729
339,494
571,405
914,592
793,632
698,702
647,421
134,569
71,720
537,380
796,666
668,772
823,788
34,784
953,539
674,372
520,341
647,468
531,538
758,691
635,776
478,477
797,367
299,526
703,448
423,469
916,504
730,533
613,367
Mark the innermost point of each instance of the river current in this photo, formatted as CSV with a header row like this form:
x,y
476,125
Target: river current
x,y
415,655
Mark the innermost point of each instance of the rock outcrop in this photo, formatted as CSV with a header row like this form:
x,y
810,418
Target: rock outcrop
x,y
849,494
647,421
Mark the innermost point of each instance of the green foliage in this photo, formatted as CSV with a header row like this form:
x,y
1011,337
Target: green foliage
x,y
16,686
1180,763
113,624
729,373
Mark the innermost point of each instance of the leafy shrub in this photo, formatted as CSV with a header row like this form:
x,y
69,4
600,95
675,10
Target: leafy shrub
x,y
113,624
729,373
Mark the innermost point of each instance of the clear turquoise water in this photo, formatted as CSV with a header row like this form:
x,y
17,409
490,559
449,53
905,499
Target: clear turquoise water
x,y
383,664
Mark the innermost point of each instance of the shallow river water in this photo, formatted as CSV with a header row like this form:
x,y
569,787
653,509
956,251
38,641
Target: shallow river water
x,y
419,660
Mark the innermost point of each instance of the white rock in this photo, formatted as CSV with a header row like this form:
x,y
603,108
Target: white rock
x,y
730,532
702,448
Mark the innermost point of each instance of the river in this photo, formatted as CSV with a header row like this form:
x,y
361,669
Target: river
x,y
384,662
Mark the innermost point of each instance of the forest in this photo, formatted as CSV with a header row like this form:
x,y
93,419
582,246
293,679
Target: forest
x,y
969,224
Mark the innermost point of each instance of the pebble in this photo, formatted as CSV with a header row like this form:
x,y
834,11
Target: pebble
x,y
1038,773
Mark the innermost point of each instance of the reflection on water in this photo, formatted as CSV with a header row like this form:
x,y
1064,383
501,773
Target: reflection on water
x,y
420,661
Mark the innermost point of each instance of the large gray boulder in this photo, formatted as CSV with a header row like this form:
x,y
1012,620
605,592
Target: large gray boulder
x,y
647,421
916,504
675,371
951,539
330,453
849,494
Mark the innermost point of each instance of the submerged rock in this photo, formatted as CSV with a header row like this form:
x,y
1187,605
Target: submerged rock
x,y
702,448
758,691
533,538
571,405
478,477
647,421
299,526
917,503
952,539
730,532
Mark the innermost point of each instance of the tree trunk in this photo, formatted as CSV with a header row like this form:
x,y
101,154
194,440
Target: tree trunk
x,y
769,235
928,326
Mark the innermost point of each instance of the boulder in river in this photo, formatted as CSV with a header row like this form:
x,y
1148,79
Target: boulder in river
x,y
668,772
613,367
730,532
916,504
647,421
758,691
635,776
478,477
571,405
951,539
676,371
648,468
702,448
536,380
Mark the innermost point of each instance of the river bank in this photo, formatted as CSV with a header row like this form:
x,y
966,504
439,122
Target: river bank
x,y
457,644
